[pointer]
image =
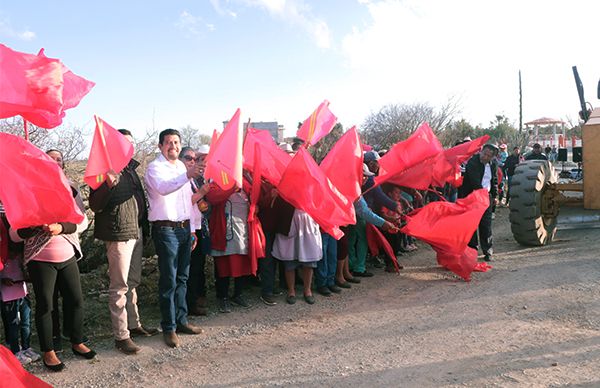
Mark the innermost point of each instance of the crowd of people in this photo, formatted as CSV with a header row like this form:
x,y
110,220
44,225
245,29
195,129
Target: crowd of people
x,y
189,219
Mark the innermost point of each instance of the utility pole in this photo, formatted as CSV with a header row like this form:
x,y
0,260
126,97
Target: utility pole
x,y
520,105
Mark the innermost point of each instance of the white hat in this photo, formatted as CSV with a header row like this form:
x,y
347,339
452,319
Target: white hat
x,y
467,138
203,149
286,147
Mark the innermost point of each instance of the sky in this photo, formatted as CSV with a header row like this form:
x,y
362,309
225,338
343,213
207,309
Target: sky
x,y
169,64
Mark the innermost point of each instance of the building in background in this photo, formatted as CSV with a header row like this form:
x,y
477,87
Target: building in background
x,y
274,128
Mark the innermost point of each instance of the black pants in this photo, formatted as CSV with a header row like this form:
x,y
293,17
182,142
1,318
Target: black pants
x,y
485,232
196,283
45,276
222,286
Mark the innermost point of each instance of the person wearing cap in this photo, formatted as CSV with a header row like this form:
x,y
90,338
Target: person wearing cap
x,y
196,284
481,172
120,208
501,159
536,153
287,148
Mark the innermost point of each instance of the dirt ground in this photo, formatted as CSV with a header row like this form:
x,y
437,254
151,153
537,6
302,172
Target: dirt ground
x,y
533,320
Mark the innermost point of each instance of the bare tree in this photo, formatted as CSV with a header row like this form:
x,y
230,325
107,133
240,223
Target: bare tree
x,y
191,137
396,122
69,139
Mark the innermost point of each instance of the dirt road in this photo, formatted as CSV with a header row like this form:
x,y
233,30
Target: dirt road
x,y
534,320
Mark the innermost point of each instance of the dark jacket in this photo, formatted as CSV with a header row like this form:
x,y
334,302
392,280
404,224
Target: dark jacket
x,y
120,211
473,175
511,163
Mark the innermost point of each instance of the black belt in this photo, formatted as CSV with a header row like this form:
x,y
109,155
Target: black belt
x,y
173,224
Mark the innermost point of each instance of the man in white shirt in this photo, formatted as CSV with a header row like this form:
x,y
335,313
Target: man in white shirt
x,y
481,171
173,222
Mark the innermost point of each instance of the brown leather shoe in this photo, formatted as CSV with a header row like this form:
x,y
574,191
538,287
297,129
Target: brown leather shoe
x,y
127,346
142,331
171,339
189,329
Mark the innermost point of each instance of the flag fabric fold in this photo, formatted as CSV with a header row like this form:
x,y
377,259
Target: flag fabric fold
x,y
317,125
343,165
273,159
440,169
305,186
421,145
14,375
38,88
256,236
224,160
376,240
38,191
448,227
110,151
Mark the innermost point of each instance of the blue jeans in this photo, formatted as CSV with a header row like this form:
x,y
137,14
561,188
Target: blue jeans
x,y
325,273
16,315
173,247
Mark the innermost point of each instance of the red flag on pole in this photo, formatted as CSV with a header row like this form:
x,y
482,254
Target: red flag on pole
x,y
343,165
448,170
306,187
256,238
274,159
37,191
421,145
317,125
376,240
38,88
110,151
448,227
224,160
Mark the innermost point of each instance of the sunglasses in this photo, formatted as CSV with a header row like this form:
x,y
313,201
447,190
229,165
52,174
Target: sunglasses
x,y
188,158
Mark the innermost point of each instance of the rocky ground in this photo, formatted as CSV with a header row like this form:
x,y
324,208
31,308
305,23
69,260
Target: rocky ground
x,y
533,320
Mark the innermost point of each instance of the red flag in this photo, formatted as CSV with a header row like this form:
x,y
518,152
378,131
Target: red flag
x,y
441,169
421,145
38,88
13,374
448,170
306,187
343,165
256,240
36,191
224,160
376,240
110,151
448,227
274,159
215,136
317,125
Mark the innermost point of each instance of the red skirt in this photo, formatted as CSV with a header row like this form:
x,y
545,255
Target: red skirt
x,y
233,265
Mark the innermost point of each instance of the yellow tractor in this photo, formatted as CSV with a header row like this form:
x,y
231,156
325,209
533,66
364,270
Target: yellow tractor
x,y
537,194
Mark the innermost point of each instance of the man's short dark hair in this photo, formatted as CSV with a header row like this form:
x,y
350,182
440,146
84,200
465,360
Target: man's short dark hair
x,y
537,145
516,148
125,132
167,132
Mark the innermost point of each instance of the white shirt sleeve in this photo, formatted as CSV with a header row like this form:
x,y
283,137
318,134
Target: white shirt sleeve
x,y
155,179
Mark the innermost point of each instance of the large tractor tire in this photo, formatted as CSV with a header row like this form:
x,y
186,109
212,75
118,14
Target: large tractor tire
x,y
529,226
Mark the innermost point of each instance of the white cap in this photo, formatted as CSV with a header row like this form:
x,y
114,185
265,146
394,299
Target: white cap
x,y
203,149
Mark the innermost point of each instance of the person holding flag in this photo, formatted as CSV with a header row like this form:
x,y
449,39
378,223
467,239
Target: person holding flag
x,y
120,210
170,198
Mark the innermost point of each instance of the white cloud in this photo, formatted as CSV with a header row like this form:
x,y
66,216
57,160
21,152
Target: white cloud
x,y
295,12
193,25
8,30
429,50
